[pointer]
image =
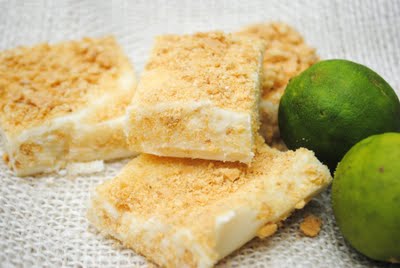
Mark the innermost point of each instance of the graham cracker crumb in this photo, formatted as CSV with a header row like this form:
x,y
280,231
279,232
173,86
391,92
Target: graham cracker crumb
x,y
6,158
311,225
301,204
204,66
286,55
189,184
267,230
202,183
45,81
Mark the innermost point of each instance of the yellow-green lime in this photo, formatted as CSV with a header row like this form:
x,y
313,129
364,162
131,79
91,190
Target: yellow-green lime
x,y
366,197
334,104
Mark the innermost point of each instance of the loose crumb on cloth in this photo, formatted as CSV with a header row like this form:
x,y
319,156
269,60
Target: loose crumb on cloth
x,y
267,230
311,226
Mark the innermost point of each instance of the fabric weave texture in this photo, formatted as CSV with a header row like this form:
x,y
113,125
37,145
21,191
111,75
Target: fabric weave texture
x,y
43,218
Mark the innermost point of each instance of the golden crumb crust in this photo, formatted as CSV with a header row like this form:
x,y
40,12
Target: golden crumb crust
x,y
205,66
188,184
286,55
45,81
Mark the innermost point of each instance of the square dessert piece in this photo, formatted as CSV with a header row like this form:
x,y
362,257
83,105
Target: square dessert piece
x,y
191,213
286,55
64,103
198,98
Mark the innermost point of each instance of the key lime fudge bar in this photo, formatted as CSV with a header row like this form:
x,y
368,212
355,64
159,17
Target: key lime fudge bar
x,y
64,103
198,98
191,213
286,55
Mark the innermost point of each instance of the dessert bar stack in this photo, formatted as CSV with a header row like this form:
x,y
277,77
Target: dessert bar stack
x,y
206,182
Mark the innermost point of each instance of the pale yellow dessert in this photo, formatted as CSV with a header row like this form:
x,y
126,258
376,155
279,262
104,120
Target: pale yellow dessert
x,y
64,103
286,55
191,213
198,98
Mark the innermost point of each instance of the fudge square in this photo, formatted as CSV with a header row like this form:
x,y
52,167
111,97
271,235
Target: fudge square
x,y
198,98
181,212
64,103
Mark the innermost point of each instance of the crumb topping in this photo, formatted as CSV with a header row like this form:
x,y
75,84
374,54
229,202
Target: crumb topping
x,y
45,81
311,226
173,188
267,230
205,66
286,54
182,184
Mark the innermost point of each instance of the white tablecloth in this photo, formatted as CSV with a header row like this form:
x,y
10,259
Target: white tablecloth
x,y
42,219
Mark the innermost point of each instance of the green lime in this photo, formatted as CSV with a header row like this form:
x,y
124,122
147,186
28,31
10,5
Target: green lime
x,y
366,197
334,104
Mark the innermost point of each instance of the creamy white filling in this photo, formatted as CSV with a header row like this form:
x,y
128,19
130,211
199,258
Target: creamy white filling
x,y
205,117
234,229
222,120
180,240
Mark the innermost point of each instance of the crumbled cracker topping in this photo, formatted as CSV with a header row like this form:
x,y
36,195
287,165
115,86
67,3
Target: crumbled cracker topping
x,y
45,81
267,230
182,184
311,225
286,54
173,188
205,66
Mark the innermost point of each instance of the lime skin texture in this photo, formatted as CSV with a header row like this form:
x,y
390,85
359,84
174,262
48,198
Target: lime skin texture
x,y
333,105
366,197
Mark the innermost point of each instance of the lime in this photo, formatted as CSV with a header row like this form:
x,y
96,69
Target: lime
x,y
334,104
366,197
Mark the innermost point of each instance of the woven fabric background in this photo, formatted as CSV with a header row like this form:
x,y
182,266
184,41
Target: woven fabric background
x,y
42,219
